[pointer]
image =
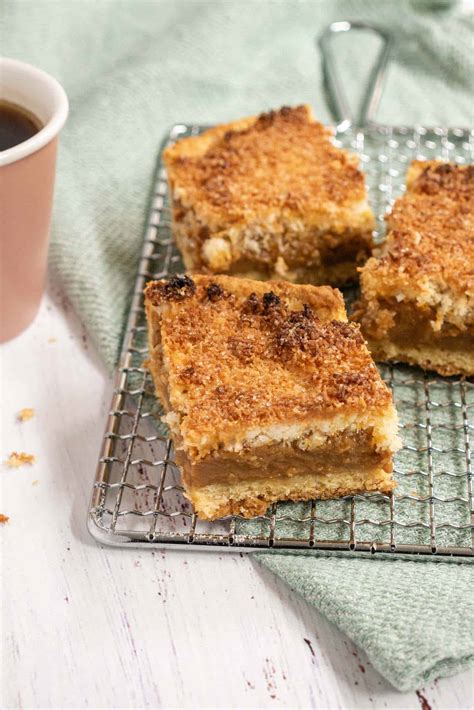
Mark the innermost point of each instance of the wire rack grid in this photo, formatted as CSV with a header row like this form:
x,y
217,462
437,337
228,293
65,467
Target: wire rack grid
x,y
137,497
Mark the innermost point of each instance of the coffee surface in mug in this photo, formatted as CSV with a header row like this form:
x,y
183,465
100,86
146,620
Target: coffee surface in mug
x,y
17,124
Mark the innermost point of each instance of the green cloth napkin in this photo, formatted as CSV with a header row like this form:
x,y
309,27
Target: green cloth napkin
x,y
131,69
413,619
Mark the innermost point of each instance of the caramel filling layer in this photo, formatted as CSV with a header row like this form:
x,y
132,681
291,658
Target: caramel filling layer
x,y
342,453
412,326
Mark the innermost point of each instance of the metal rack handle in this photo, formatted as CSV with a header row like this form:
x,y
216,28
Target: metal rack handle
x,y
337,98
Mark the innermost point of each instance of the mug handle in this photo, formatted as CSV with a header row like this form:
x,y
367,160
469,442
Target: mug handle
x,y
336,97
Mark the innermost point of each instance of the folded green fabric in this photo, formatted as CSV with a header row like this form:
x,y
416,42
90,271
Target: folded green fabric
x,y
132,69
413,619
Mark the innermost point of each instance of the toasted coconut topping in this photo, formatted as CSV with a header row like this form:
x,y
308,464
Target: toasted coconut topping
x,y
262,357
279,161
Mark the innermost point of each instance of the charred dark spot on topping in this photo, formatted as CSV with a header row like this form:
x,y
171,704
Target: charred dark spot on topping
x,y
270,300
220,389
294,332
445,176
266,119
444,169
297,114
214,292
251,305
178,288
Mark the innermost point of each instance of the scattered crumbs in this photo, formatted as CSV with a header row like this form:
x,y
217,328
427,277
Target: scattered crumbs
x,y
423,701
308,643
250,685
66,599
356,682
4,519
35,482
136,563
25,414
17,459
52,340
361,668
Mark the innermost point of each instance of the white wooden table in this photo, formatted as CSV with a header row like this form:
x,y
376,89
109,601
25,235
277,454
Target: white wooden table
x,y
86,626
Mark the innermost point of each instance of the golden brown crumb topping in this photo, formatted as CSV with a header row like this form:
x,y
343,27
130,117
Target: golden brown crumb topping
x,y
25,414
430,244
264,353
17,459
282,160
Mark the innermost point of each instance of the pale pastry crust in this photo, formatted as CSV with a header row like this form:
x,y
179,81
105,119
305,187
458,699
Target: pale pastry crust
x,y
270,196
244,367
252,498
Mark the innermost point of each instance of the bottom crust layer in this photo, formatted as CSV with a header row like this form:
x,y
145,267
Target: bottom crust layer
x,y
443,361
252,498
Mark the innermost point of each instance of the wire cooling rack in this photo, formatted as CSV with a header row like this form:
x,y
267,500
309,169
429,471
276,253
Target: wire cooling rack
x,y
137,496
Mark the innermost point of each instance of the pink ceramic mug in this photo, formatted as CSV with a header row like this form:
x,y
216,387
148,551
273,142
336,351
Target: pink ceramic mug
x,y
26,194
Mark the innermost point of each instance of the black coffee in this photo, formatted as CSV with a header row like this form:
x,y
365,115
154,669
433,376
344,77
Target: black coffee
x,y
17,124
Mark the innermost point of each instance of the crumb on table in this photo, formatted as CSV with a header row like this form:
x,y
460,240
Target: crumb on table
x,y
20,458
25,414
4,519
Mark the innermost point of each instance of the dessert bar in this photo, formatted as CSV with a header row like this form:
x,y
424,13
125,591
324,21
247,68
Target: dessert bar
x,y
417,298
270,394
270,197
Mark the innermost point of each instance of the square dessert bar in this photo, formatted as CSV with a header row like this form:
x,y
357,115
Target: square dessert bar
x,y
270,394
270,197
417,302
